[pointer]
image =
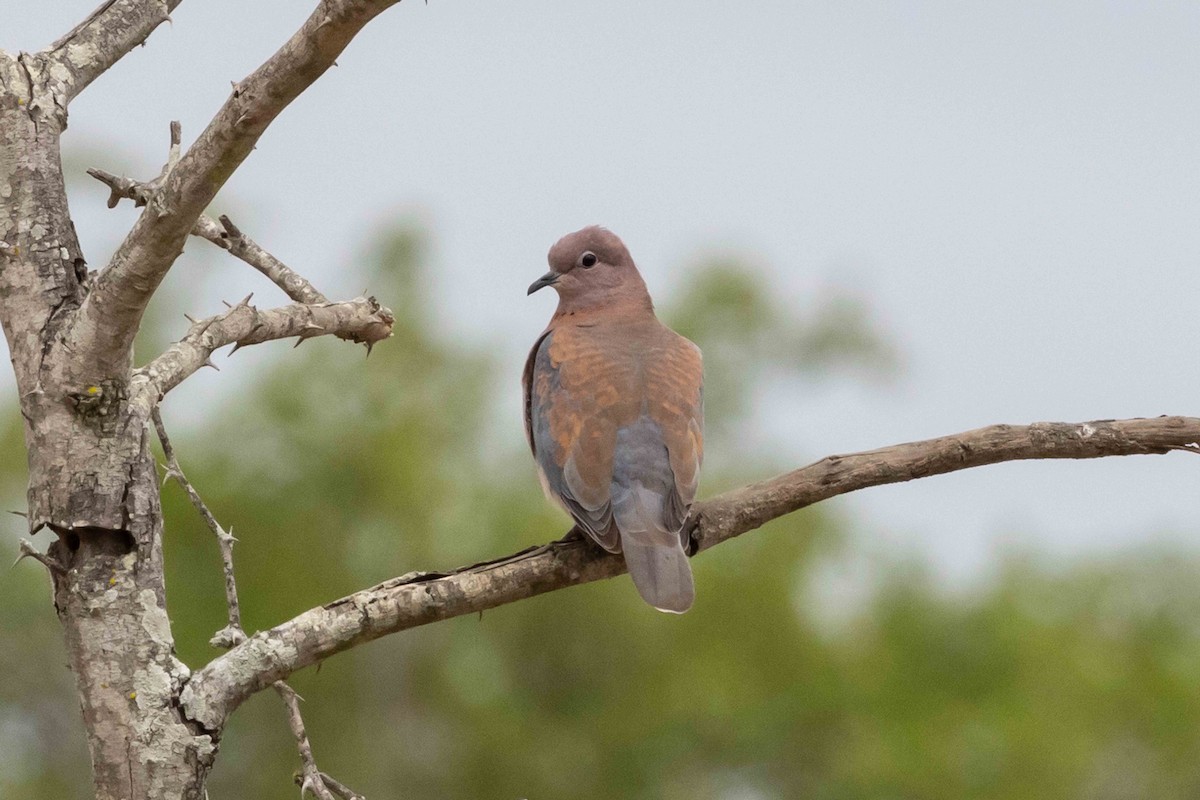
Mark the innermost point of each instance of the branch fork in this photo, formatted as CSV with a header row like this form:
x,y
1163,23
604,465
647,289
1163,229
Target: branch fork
x,y
362,320
86,410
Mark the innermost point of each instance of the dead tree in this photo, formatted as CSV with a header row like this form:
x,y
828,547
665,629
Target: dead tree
x,y
154,725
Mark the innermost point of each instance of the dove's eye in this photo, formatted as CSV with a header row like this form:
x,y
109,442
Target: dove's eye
x,y
587,260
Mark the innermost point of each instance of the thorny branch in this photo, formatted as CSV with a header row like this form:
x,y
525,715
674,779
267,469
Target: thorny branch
x,y
232,634
293,284
361,320
86,411
334,785
421,598
101,40
223,234
140,193
27,550
110,315
310,776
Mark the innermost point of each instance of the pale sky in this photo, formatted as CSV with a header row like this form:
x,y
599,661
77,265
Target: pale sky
x,y
1015,187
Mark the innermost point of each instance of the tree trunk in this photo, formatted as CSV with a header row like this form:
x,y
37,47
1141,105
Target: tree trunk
x,y
112,608
92,477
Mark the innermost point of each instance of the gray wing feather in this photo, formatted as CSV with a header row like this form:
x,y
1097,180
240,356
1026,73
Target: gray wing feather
x,y
649,515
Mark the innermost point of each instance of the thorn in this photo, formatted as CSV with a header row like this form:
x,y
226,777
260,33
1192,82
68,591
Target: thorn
x,y
226,304
310,331
369,346
19,513
176,130
246,300
236,346
189,318
299,341
48,561
208,362
230,228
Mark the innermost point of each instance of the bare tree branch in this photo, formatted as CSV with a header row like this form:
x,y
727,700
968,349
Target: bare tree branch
x,y
223,234
232,634
311,776
338,788
293,284
310,779
421,598
360,320
109,318
27,550
101,40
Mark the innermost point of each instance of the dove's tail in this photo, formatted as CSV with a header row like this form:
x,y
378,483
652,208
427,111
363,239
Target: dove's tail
x,y
655,557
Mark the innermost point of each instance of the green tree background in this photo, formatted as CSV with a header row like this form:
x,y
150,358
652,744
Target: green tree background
x,y
337,472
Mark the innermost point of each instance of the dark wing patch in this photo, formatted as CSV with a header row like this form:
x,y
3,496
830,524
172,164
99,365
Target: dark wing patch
x,y
527,389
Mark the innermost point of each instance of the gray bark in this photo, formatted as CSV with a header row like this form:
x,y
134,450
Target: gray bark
x,y
87,412
91,475
422,598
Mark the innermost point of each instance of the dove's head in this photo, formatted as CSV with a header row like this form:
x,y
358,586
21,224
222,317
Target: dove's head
x,y
591,269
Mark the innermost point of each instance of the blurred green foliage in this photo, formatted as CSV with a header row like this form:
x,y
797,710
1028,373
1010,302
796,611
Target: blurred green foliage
x,y
337,472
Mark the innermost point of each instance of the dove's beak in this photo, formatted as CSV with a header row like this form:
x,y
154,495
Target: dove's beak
x,y
549,279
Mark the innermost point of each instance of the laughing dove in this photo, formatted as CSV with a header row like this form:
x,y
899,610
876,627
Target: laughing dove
x,y
614,414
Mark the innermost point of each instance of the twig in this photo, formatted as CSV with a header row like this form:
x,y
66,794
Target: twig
x,y
340,789
422,598
361,320
223,234
51,563
101,333
122,188
294,285
312,781
232,634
